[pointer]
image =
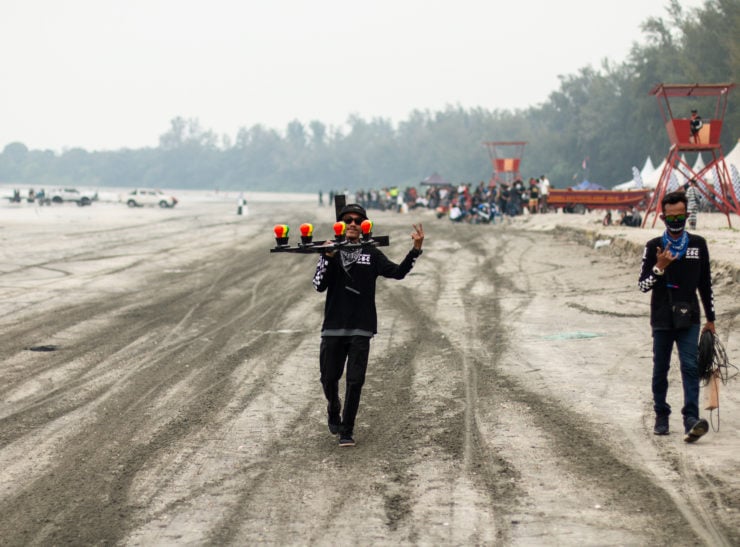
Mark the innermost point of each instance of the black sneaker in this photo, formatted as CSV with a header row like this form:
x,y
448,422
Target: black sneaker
x,y
697,428
335,424
334,417
345,439
661,425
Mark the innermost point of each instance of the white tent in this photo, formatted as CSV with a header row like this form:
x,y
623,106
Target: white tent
x,y
651,177
647,169
638,176
733,157
681,172
652,180
630,184
698,164
627,185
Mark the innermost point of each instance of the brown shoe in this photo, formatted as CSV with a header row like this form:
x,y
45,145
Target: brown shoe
x,y
698,429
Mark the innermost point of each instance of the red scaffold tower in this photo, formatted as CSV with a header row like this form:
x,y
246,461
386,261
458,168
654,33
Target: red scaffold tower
x,y
506,158
697,137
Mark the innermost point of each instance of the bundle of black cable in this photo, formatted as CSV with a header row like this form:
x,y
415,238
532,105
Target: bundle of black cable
x,y
713,359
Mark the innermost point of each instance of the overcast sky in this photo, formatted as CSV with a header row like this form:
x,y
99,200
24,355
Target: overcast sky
x,y
104,74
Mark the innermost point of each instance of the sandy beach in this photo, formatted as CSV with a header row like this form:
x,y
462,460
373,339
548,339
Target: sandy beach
x,y
159,385
721,232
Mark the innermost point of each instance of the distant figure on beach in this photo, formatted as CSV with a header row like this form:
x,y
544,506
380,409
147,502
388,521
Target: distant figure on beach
x,y
350,318
631,218
544,192
516,193
696,125
534,196
674,266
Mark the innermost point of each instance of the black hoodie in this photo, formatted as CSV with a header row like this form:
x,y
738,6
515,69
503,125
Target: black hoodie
x,y
350,297
684,275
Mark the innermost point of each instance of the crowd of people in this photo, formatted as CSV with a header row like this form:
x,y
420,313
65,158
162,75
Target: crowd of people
x,y
495,201
462,202
386,199
489,202
31,197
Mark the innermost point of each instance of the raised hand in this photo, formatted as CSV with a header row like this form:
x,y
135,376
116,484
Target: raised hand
x,y
417,235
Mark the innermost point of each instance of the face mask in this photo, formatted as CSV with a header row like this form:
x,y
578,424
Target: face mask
x,y
675,226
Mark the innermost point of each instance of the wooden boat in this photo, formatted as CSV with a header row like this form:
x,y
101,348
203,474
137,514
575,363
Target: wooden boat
x,y
582,200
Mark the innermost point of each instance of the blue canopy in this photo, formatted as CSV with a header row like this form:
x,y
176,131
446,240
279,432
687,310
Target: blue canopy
x,y
436,180
586,185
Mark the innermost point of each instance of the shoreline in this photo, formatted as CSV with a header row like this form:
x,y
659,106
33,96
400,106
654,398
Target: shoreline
x,y
110,194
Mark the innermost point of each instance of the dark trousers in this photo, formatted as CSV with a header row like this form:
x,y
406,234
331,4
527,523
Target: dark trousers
x,y
686,340
335,352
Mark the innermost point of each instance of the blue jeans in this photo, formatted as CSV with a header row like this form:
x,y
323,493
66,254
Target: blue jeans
x,y
686,341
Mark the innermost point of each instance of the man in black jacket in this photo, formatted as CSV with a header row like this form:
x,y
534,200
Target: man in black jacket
x,y
350,317
674,266
695,123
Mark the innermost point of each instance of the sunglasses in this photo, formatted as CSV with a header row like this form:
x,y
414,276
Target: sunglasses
x,y
674,218
353,220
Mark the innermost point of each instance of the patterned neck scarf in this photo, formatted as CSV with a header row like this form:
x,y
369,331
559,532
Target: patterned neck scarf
x,y
349,257
676,246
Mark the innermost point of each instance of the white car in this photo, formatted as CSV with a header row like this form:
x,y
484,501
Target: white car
x,y
60,195
141,198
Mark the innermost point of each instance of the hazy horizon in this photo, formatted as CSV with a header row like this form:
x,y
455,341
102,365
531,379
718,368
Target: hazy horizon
x,y
108,75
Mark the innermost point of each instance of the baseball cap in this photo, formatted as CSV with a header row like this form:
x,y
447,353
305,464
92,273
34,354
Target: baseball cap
x,y
352,208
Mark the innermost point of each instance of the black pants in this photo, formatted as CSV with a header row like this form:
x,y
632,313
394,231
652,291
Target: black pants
x,y
335,351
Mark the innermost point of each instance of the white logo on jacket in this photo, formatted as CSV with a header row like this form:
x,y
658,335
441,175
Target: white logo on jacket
x,y
363,259
692,252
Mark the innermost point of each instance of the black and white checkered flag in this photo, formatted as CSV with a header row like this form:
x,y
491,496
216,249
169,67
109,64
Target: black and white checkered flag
x,y
672,183
735,180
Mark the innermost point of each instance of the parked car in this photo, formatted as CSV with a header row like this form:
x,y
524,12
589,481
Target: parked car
x,y
60,195
142,197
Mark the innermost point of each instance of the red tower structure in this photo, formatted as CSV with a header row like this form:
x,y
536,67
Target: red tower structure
x,y
685,139
506,158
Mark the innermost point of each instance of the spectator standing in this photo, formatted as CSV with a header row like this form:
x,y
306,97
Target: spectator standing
x,y
506,208
544,192
534,195
696,124
517,195
674,266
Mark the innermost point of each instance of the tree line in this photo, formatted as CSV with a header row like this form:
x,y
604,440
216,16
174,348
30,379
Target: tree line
x,y
598,124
